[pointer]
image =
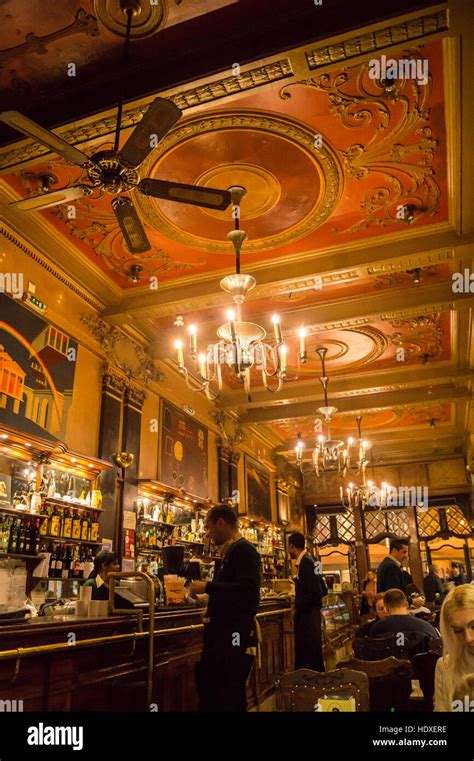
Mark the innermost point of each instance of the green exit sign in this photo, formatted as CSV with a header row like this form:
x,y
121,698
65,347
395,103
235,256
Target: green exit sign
x,y
35,303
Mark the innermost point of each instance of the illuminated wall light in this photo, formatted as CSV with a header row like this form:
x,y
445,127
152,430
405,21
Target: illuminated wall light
x,y
4,436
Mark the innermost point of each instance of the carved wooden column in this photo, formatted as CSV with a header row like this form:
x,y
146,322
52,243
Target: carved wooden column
x,y
223,465
416,566
109,442
234,473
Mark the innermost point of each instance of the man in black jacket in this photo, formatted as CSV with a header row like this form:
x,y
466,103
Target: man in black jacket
x,y
389,572
230,634
432,585
310,590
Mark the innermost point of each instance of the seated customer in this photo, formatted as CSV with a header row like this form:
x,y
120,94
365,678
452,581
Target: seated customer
x,y
457,630
399,621
380,612
417,605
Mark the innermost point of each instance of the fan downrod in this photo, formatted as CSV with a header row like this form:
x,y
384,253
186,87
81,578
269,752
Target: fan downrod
x,y
130,5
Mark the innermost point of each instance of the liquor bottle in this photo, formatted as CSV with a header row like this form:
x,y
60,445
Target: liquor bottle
x,y
52,562
76,564
45,519
55,523
34,537
76,525
14,528
27,542
95,527
66,564
67,524
59,562
85,528
5,535
20,541
82,560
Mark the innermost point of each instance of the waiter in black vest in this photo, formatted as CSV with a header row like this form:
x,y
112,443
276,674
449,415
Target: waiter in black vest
x,y
230,629
310,590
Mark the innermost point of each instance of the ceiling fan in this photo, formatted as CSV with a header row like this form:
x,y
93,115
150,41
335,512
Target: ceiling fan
x,y
117,171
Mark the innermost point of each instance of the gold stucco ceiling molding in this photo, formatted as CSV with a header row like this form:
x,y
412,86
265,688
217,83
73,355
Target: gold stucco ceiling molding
x,y
46,264
424,25
402,314
325,160
103,125
121,351
400,148
428,259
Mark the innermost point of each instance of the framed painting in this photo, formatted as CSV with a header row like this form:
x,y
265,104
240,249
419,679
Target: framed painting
x,y
258,490
183,461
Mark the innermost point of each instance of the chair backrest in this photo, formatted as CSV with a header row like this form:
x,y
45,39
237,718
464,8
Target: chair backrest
x,y
386,645
389,682
424,665
306,690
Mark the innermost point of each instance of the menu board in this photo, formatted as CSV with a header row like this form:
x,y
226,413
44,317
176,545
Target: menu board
x,y
257,479
183,451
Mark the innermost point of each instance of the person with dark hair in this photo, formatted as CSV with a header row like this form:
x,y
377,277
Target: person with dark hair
x,y
389,572
365,630
104,563
310,590
458,576
432,585
230,628
399,619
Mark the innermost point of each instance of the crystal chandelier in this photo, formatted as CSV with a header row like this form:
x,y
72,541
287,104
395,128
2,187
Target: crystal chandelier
x,y
369,494
329,454
332,455
241,346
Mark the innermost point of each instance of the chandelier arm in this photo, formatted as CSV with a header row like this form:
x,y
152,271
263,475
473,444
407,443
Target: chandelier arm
x,y
275,357
246,379
268,387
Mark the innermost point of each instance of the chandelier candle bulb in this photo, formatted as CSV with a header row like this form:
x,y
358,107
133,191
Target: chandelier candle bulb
x,y
283,352
303,355
179,350
277,328
193,340
202,366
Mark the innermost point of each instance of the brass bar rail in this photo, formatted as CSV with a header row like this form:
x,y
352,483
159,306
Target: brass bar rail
x,y
28,652
151,612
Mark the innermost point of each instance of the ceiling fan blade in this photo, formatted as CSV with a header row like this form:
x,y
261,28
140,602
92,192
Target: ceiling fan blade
x,y
131,226
37,203
57,144
211,198
158,119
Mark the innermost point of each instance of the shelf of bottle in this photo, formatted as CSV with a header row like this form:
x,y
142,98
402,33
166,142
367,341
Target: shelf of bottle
x,y
157,523
70,503
17,555
10,510
68,540
58,578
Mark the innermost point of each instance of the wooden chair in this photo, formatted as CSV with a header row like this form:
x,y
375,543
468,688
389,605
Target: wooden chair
x,y
300,690
389,682
424,666
387,645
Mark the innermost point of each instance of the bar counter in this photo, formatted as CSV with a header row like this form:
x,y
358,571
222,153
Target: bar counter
x,y
105,674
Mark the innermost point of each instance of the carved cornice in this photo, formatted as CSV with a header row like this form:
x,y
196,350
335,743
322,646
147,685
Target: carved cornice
x,y
102,126
124,353
378,40
50,268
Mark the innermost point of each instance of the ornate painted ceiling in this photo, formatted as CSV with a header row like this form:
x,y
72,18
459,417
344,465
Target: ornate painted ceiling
x,y
330,158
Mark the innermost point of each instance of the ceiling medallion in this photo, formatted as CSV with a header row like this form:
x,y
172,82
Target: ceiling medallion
x,y
327,168
147,18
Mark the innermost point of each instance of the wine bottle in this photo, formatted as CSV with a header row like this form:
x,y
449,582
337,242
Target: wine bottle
x,y
44,516
34,536
27,542
20,541
76,525
95,527
76,565
82,561
59,562
67,524
85,528
52,562
55,523
66,564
